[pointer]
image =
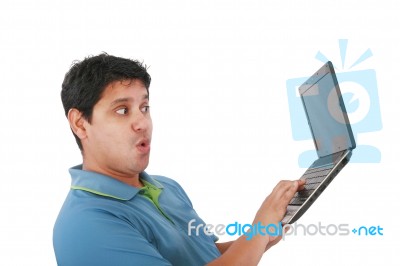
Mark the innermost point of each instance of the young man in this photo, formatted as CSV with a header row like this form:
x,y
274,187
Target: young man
x,y
117,214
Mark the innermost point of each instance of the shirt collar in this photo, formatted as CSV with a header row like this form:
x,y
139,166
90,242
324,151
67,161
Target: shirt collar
x,y
105,185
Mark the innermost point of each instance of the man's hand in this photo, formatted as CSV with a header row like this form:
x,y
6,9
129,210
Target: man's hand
x,y
272,211
274,206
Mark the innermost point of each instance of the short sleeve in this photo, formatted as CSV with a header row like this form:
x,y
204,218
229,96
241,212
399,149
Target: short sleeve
x,y
103,240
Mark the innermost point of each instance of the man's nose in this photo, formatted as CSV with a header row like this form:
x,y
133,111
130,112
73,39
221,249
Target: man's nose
x,y
140,122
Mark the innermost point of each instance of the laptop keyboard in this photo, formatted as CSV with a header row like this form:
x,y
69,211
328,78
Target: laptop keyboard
x,y
313,177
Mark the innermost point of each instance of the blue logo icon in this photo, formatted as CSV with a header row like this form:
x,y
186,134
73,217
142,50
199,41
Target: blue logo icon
x,y
360,95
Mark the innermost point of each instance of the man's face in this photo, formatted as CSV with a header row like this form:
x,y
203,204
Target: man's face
x,y
119,135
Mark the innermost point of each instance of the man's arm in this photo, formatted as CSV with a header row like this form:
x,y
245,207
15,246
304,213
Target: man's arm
x,y
273,209
222,247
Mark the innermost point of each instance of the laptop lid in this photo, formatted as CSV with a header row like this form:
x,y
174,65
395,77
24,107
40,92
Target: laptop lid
x,y
326,112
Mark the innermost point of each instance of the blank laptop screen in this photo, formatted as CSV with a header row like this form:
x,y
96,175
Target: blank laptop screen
x,y
326,114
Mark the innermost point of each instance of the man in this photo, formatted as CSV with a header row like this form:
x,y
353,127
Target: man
x,y
117,214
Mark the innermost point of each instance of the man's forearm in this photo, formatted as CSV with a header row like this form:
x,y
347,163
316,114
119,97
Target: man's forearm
x,y
222,247
241,251
249,251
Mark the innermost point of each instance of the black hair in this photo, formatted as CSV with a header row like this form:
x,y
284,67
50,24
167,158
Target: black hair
x,y
86,80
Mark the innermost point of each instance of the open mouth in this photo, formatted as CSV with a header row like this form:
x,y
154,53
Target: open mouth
x,y
143,146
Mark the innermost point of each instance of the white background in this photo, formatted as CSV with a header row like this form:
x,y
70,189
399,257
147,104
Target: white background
x,y
219,107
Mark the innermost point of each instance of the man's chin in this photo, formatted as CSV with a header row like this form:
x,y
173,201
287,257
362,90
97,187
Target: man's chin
x,y
141,167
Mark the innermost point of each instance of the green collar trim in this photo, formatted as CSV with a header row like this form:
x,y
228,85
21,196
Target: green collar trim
x,y
96,192
151,192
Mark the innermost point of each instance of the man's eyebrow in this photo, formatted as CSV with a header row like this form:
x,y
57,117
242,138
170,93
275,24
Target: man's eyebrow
x,y
127,99
121,100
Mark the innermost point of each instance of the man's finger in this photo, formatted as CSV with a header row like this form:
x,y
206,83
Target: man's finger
x,y
301,183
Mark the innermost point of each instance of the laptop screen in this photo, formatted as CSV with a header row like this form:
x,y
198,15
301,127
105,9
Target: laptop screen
x,y
326,112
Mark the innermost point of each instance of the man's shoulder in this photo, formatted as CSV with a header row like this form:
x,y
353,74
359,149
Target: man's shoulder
x,y
166,181
172,185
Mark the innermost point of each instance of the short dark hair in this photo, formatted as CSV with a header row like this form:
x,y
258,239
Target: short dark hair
x,y
86,80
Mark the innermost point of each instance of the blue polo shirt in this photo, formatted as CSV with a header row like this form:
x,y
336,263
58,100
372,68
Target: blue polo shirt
x,y
106,222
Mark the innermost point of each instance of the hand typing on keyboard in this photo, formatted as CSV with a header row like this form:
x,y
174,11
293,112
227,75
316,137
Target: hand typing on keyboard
x,y
274,206
271,212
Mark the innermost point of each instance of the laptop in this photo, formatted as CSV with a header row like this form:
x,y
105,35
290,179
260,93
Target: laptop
x,y
332,135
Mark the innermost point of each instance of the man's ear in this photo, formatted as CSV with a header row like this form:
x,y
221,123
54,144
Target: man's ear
x,y
77,123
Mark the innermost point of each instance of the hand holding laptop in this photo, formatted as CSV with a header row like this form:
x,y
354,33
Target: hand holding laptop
x,y
332,134
274,206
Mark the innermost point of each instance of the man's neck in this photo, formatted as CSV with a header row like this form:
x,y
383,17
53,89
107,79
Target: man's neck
x,y
131,179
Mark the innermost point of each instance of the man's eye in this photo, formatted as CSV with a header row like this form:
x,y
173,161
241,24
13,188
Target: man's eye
x,y
145,109
122,111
